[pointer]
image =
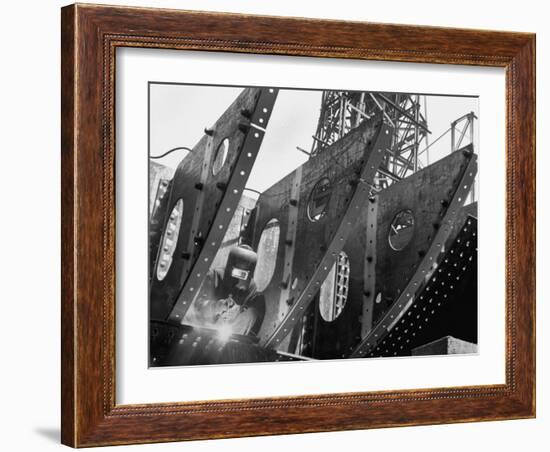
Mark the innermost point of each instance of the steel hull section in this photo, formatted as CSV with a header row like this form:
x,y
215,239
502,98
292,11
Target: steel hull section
x,y
350,166
209,199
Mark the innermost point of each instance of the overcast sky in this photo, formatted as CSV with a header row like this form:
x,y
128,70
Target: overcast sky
x,y
179,114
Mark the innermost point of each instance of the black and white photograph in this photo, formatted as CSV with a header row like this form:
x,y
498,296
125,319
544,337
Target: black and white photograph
x,y
241,225
291,224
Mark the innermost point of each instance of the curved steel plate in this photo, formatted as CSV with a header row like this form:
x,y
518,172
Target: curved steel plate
x,y
406,296
210,198
319,243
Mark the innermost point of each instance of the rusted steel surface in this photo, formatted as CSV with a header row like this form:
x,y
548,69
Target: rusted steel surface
x,y
210,197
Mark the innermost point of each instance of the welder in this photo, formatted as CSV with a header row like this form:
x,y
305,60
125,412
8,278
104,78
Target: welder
x,y
229,300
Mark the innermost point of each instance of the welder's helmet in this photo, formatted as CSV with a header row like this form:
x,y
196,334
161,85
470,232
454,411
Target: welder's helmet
x,y
239,270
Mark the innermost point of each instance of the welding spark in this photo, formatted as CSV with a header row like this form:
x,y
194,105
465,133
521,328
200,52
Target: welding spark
x,y
224,332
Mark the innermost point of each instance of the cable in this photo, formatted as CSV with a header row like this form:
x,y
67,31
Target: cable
x,y
184,148
436,140
253,190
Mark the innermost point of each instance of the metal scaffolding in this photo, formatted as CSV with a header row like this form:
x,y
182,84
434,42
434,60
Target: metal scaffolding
x,y
342,111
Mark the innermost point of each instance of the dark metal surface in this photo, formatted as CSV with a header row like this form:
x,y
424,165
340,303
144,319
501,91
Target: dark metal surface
x,y
369,265
209,200
302,242
376,268
316,259
232,189
341,111
447,303
405,299
185,345
426,196
291,234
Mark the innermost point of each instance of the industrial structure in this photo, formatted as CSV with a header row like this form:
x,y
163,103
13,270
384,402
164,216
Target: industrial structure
x,y
368,249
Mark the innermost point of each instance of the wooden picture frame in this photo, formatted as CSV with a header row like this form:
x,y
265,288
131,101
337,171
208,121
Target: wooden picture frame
x,y
90,36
